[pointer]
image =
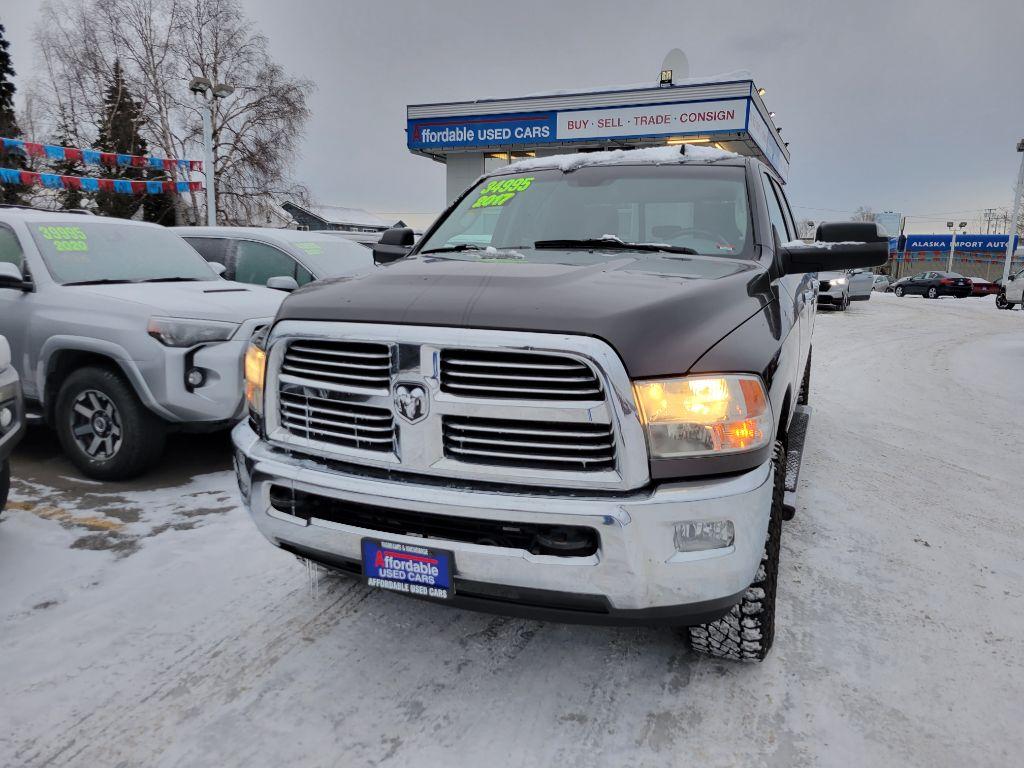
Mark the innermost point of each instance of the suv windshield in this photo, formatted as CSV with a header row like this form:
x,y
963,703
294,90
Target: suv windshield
x,y
89,252
686,208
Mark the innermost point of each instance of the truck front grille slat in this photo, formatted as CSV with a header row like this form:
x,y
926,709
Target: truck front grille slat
x,y
517,375
528,444
361,365
335,421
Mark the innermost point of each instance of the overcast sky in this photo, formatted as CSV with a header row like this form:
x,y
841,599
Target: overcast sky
x,y
910,106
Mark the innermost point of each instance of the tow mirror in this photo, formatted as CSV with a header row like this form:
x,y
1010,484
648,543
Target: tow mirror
x,y
283,283
11,277
837,246
394,244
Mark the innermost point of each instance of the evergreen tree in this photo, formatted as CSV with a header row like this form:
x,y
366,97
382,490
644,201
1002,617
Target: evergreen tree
x,y
68,198
8,122
119,132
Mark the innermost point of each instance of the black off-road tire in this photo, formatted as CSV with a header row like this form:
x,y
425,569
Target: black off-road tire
x,y
898,290
747,632
143,434
5,483
804,397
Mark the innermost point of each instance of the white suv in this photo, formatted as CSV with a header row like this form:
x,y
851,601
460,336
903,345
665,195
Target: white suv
x,y
1012,292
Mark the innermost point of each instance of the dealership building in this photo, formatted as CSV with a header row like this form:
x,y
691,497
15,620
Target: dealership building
x,y
474,137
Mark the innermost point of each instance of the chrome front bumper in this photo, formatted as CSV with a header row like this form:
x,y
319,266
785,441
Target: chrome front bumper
x,y
636,570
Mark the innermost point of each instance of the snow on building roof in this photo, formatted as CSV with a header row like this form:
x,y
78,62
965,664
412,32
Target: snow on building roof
x,y
339,214
646,156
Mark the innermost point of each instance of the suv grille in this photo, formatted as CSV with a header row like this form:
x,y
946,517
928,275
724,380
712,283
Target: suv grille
x,y
345,363
583,447
482,373
317,415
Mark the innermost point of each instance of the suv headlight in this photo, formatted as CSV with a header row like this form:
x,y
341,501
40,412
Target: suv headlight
x,y
837,281
178,332
704,415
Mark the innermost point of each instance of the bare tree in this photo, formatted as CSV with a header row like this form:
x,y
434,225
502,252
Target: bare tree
x,y
863,213
255,130
161,44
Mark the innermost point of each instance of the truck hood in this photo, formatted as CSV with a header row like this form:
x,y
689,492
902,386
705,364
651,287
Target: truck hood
x,y
659,312
200,300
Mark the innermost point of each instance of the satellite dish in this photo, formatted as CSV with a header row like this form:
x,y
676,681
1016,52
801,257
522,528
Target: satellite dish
x,y
676,65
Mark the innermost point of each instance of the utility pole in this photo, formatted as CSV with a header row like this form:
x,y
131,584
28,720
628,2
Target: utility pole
x,y
1014,212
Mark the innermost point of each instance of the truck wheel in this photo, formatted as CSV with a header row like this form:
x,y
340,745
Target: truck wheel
x,y
898,290
5,483
104,428
1001,302
805,383
746,633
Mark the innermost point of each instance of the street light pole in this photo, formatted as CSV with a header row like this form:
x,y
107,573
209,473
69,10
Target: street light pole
x,y
952,243
208,92
1014,214
211,183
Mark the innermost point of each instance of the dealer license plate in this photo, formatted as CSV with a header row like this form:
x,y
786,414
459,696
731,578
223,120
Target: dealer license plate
x,y
408,568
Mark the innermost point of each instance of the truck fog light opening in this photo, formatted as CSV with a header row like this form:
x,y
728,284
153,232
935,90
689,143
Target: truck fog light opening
x,y
700,535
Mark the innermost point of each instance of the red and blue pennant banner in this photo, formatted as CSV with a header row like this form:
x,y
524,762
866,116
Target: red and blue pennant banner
x,y
95,157
89,184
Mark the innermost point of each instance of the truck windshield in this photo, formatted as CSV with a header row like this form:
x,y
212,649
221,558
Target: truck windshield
x,y
102,252
688,208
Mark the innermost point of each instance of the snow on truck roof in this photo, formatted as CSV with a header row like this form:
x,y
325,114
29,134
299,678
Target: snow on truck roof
x,y
683,153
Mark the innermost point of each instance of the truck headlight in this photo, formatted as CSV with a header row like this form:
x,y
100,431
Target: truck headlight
x,y
179,332
704,415
255,372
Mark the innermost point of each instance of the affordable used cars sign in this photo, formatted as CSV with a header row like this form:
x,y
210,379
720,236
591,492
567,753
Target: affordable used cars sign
x,y
481,131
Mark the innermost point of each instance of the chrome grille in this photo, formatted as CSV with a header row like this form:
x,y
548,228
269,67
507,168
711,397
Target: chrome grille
x,y
521,375
582,446
341,363
327,418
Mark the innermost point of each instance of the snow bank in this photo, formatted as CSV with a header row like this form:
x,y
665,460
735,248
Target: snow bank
x,y
648,156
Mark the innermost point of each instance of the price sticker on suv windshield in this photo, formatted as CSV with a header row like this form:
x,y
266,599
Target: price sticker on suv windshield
x,y
500,191
313,249
66,238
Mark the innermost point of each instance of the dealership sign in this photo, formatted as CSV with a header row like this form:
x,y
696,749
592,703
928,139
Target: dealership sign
x,y
964,243
657,120
481,131
729,116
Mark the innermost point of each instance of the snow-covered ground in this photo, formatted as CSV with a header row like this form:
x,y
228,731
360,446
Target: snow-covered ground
x,y
157,628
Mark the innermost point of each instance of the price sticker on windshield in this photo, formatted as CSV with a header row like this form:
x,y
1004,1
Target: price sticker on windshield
x,y
500,191
313,249
66,238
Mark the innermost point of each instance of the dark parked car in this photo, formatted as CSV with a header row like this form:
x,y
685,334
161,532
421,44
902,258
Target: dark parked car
x,y
931,285
278,258
980,287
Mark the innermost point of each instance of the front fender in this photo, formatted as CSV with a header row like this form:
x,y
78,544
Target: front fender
x,y
108,349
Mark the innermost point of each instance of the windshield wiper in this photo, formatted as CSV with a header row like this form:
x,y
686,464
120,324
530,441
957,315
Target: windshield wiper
x,y
472,247
170,280
613,243
100,281
453,248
